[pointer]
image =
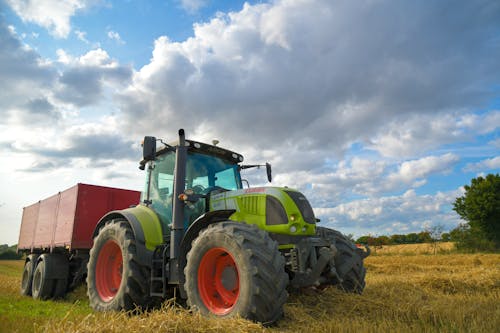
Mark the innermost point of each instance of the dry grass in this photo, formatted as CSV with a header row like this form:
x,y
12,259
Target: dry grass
x,y
419,293
412,249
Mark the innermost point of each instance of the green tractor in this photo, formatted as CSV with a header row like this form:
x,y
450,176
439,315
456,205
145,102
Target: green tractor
x,y
198,235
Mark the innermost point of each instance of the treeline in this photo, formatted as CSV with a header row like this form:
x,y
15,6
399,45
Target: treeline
x,y
9,252
411,238
435,235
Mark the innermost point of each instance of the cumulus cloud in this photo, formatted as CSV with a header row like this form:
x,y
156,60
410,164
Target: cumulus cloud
x,y
392,214
53,15
84,78
413,135
414,172
484,165
113,35
193,5
22,70
91,145
39,103
338,183
292,70
82,35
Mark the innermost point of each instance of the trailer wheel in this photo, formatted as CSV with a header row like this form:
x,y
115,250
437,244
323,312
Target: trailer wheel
x,y
348,261
27,278
42,286
61,283
115,279
236,269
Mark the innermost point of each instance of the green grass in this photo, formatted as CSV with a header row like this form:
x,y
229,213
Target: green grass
x,y
419,293
11,268
23,314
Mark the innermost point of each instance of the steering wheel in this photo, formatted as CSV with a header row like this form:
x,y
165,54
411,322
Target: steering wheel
x,y
198,189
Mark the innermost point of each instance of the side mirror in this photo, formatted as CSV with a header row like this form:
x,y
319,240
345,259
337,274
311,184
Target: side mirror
x,y
149,148
269,172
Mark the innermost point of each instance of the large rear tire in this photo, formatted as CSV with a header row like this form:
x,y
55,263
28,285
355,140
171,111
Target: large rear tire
x,y
27,278
236,269
348,261
115,279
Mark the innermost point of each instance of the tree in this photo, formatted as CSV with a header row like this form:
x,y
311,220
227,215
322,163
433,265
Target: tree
x,y
398,239
435,234
480,208
363,240
425,237
9,252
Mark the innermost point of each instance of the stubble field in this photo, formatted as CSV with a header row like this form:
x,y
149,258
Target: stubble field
x,y
404,293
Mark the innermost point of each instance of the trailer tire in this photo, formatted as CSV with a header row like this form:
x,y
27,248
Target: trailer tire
x,y
27,278
348,261
236,269
42,286
115,279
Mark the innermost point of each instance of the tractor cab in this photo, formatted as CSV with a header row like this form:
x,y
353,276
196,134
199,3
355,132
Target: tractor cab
x,y
208,170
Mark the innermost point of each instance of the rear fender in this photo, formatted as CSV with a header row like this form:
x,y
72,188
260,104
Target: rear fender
x,y
146,227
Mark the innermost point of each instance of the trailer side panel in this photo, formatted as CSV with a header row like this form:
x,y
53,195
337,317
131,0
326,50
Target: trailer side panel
x,y
45,226
67,219
93,203
28,226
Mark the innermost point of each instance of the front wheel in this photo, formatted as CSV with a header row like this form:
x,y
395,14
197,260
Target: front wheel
x,y
348,261
236,269
115,279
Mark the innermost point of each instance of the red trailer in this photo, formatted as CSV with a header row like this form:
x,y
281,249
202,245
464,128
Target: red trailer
x,y
56,233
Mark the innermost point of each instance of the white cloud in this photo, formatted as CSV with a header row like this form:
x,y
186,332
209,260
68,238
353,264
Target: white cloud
x,y
411,171
54,15
113,35
26,82
82,35
484,123
193,6
85,78
392,214
484,165
276,67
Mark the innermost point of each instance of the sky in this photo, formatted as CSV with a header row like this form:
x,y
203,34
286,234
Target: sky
x,y
379,111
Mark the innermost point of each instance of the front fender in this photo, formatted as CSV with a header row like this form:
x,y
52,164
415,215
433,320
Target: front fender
x,y
144,222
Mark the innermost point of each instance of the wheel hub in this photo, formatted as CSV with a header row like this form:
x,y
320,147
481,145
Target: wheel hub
x,y
109,270
218,281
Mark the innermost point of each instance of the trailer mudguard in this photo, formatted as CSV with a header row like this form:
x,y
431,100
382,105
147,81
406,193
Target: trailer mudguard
x,y
144,222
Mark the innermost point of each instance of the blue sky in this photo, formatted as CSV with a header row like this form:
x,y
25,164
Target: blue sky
x,y
379,111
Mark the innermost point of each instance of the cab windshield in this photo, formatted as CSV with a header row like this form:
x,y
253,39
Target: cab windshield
x,y
204,174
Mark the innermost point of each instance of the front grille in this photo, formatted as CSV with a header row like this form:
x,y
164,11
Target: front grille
x,y
304,206
250,204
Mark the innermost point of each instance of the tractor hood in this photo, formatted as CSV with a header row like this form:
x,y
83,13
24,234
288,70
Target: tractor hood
x,y
279,210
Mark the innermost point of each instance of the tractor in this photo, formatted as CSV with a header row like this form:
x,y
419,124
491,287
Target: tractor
x,y
200,236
